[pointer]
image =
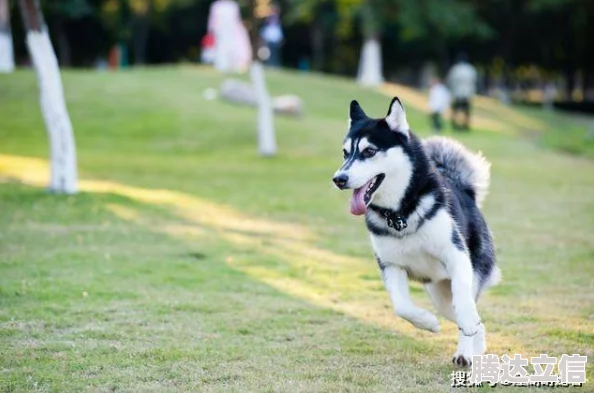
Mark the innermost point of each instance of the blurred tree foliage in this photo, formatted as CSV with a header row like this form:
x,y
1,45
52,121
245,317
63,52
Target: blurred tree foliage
x,y
504,37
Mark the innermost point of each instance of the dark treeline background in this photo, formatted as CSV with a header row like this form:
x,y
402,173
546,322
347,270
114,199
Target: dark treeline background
x,y
511,41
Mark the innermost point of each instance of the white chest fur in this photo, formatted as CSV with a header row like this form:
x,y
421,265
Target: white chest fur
x,y
415,252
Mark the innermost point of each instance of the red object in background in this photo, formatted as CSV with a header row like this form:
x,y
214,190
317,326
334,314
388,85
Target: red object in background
x,y
208,41
113,58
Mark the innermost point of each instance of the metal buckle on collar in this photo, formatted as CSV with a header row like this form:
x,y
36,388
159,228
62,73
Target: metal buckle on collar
x,y
398,223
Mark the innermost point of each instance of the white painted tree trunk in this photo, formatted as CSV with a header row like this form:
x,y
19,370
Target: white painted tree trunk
x,y
6,51
53,107
266,136
370,64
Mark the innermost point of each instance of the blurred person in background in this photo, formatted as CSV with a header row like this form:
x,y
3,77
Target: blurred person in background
x,y
207,45
439,100
232,49
243,47
272,35
462,79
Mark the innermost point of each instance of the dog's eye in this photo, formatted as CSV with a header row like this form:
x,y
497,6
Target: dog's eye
x,y
369,152
345,154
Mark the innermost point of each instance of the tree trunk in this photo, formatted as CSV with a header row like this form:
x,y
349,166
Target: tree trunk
x,y
6,52
370,63
266,137
63,44
317,45
63,177
141,33
265,124
588,88
570,82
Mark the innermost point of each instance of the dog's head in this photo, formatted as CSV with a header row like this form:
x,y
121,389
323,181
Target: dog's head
x,y
374,150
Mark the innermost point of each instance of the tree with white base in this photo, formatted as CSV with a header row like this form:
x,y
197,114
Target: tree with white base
x,y
63,177
266,134
6,52
370,61
266,137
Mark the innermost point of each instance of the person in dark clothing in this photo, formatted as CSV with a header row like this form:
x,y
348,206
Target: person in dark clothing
x,y
462,83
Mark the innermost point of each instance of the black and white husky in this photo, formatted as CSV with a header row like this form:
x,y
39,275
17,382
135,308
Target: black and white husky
x,y
421,203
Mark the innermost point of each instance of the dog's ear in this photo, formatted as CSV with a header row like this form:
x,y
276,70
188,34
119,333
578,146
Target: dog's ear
x,y
396,117
355,112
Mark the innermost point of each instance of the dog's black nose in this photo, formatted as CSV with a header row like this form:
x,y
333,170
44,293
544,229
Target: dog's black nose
x,y
341,181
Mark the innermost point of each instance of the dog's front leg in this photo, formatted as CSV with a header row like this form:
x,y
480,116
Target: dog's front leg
x,y
469,323
396,281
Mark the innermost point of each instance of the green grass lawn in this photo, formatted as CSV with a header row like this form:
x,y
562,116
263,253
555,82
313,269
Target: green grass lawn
x,y
188,263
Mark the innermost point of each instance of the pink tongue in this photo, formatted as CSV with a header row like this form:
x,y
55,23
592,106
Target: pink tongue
x,y
358,206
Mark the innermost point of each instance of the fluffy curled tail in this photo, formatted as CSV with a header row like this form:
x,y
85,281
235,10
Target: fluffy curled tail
x,y
467,170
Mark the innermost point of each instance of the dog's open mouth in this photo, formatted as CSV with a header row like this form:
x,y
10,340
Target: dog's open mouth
x,y
362,195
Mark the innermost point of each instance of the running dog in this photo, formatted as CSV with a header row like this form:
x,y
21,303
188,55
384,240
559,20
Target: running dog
x,y
421,200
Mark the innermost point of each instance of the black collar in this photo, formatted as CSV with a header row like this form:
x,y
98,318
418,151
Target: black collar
x,y
397,219
394,219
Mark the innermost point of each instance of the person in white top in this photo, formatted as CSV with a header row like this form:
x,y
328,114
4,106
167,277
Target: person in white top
x,y
439,100
462,80
232,48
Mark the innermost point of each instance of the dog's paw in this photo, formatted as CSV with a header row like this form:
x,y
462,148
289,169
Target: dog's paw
x,y
462,360
463,355
426,321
